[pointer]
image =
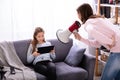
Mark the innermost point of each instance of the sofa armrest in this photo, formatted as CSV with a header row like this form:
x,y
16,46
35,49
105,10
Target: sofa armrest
x,y
88,63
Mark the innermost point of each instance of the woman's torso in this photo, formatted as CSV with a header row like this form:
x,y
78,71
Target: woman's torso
x,y
105,27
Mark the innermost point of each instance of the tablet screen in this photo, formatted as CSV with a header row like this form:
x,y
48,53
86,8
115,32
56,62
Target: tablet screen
x,y
45,49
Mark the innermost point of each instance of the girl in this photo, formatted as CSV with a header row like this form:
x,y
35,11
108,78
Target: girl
x,y
42,62
104,33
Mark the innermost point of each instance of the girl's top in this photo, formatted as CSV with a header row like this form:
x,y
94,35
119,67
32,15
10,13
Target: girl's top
x,y
102,30
41,57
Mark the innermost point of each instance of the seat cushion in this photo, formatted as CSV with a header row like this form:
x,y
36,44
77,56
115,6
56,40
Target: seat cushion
x,y
75,55
66,72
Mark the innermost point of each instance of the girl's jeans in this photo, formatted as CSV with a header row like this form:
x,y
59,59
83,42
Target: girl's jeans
x,y
112,68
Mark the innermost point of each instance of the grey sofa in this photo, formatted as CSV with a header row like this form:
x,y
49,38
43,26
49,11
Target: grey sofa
x,y
85,70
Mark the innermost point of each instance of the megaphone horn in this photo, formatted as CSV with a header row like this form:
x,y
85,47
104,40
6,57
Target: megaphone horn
x,y
63,36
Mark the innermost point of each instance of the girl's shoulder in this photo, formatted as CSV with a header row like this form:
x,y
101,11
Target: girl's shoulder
x,y
30,46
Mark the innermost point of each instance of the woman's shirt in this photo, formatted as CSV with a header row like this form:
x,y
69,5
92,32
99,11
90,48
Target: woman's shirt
x,y
41,57
102,31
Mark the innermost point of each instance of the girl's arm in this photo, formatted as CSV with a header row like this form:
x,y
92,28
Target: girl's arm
x,y
52,54
30,56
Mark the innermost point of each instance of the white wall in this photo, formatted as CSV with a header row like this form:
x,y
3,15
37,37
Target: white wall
x,y
6,29
18,18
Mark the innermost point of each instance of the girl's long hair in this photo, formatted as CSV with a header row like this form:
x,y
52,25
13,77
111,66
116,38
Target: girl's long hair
x,y
86,12
34,41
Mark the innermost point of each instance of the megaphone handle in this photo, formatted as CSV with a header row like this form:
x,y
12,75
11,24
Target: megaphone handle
x,y
75,31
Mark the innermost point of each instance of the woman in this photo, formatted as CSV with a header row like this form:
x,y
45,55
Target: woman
x,y
105,34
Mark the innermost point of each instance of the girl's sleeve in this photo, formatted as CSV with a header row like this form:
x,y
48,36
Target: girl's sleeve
x,y
30,57
53,56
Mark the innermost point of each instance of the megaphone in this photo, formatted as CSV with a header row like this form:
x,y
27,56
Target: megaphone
x,y
63,36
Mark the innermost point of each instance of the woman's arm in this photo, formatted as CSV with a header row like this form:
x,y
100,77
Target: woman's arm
x,y
102,36
93,43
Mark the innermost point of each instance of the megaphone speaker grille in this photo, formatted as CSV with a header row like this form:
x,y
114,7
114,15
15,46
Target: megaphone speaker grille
x,y
63,36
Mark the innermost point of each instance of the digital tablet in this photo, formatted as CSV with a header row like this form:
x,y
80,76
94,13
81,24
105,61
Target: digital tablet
x,y
45,49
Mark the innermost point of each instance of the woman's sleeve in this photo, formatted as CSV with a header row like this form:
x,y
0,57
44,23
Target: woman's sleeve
x,y
30,57
93,43
99,35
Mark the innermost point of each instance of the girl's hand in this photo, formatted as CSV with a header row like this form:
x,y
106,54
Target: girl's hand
x,y
52,51
35,53
76,35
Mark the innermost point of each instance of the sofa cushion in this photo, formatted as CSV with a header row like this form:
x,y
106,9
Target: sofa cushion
x,y
75,55
66,72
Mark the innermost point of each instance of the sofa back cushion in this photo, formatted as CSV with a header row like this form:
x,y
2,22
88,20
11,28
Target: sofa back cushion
x,y
61,49
75,55
21,48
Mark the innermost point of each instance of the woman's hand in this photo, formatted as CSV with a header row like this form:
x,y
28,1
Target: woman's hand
x,y
113,43
113,38
76,35
35,53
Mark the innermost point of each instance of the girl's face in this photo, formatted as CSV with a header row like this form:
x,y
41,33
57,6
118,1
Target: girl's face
x,y
40,37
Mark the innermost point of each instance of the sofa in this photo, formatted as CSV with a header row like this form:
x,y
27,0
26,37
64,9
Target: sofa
x,y
64,71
